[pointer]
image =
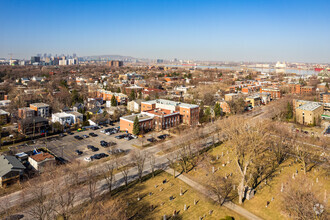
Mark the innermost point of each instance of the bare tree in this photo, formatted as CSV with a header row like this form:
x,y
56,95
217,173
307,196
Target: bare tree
x,y
91,184
124,170
152,162
305,157
302,200
43,204
139,159
222,187
109,176
63,199
249,143
171,161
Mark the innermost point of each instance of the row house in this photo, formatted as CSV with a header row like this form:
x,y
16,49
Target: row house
x,y
107,96
298,89
67,118
250,89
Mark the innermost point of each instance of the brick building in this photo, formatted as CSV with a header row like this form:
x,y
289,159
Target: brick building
x,y
107,95
325,97
115,63
189,114
275,93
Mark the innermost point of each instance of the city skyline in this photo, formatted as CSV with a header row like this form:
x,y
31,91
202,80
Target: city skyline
x,y
295,31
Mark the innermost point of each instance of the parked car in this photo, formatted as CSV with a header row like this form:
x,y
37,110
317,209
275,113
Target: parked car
x,y
151,139
103,143
120,136
79,152
163,136
128,138
78,137
62,135
92,134
91,147
85,136
69,133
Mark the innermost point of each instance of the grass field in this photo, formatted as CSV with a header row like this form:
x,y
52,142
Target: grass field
x,y
160,200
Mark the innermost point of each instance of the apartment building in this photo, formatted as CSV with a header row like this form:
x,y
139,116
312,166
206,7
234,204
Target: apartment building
x,y
41,109
309,113
275,93
189,113
298,89
325,97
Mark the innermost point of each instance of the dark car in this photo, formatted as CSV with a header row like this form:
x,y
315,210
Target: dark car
x,y
79,152
62,135
89,146
151,139
120,136
93,134
70,133
78,137
103,155
103,143
162,137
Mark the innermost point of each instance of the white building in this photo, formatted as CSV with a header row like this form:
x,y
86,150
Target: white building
x,y
62,62
67,118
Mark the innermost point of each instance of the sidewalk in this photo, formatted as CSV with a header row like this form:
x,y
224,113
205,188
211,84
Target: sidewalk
x,y
243,212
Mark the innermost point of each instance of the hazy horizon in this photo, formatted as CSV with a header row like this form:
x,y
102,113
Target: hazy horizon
x,y
291,31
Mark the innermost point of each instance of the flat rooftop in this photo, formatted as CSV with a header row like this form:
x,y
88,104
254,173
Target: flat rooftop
x,y
309,106
141,117
39,105
169,102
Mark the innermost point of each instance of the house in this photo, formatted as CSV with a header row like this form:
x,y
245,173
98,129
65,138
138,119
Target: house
x,y
275,93
135,105
10,170
254,100
225,107
41,109
4,117
67,118
95,111
41,161
76,107
231,97
4,103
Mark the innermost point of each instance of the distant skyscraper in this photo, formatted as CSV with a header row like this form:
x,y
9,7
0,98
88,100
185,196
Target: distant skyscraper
x,y
115,63
74,55
160,61
35,59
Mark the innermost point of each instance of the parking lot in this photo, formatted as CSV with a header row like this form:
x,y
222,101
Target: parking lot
x,y
65,147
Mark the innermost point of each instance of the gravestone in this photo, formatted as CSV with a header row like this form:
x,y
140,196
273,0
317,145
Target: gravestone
x,y
222,153
164,181
161,189
293,176
282,187
174,213
164,217
317,179
150,193
217,156
210,212
171,198
156,186
234,187
267,204
250,193
138,199
185,207
181,191
272,199
213,170
194,201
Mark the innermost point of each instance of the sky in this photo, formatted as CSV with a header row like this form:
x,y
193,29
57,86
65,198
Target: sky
x,y
213,30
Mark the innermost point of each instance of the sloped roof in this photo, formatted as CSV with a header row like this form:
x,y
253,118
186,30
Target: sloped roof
x,y
9,163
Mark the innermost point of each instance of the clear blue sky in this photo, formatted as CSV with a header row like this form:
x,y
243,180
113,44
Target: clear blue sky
x,y
229,30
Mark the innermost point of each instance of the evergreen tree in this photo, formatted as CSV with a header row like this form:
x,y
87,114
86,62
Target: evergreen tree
x,y
118,90
136,126
113,101
132,95
217,109
201,112
289,111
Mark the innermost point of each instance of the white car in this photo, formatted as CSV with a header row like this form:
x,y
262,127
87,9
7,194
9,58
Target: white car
x,y
88,159
108,133
103,131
